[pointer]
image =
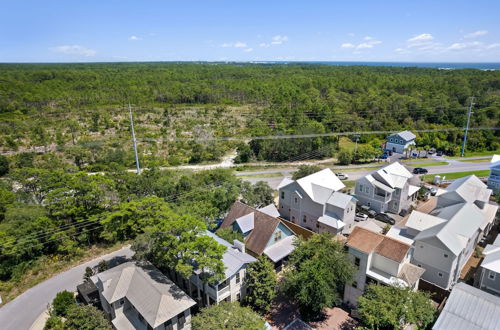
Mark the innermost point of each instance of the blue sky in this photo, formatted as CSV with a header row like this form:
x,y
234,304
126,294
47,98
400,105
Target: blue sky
x,y
113,30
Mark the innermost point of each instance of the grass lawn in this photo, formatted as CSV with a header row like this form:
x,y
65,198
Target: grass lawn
x,y
47,266
482,160
349,183
346,143
477,154
456,175
263,175
427,164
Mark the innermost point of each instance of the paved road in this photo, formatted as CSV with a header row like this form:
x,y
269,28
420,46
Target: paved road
x,y
20,313
454,165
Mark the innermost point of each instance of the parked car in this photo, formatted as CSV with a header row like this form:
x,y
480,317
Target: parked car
x,y
366,210
360,216
419,170
385,218
439,153
384,156
342,176
433,191
431,151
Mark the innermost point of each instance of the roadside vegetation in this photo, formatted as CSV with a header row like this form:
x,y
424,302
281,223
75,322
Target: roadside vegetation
x,y
456,175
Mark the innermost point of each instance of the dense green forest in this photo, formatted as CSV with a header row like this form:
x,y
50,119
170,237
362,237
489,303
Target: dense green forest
x,y
78,112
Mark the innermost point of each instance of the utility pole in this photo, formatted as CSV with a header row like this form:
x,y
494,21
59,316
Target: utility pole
x,y
133,140
357,136
469,113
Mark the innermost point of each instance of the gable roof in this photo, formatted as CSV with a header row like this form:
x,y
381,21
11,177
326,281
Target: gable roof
x,y
491,252
264,226
339,199
469,308
233,258
405,135
320,185
390,176
368,241
152,293
421,221
468,189
270,210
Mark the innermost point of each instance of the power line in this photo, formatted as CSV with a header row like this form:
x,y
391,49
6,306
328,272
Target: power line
x,y
469,113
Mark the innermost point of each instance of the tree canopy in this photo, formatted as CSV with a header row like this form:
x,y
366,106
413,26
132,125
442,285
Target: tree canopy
x,y
319,270
394,307
261,284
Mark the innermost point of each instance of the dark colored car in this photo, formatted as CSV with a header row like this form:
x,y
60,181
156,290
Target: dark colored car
x,y
384,156
419,170
385,218
439,153
366,210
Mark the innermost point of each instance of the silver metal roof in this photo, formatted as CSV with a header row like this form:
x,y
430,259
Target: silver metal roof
x,y
246,222
280,249
469,308
332,221
270,210
405,135
339,199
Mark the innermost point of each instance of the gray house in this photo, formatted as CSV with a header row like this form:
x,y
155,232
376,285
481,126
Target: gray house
x,y
468,308
379,259
398,142
317,203
488,276
390,189
494,178
138,296
445,238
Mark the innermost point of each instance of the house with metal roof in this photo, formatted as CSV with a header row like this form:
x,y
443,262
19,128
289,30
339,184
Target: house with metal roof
x,y
445,238
138,296
381,260
389,189
468,308
317,203
399,142
494,178
232,288
265,234
488,275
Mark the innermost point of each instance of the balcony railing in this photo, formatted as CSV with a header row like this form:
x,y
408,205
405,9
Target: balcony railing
x,y
382,198
224,290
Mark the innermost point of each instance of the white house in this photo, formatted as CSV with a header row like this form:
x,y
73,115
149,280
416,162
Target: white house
x,y
138,296
494,178
317,203
232,288
381,260
445,238
399,142
488,275
390,189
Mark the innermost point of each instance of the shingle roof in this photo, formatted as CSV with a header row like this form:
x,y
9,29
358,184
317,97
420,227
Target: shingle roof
x,y
264,226
368,242
469,308
153,294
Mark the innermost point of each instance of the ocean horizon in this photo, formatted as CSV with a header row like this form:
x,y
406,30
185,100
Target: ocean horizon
x,y
435,65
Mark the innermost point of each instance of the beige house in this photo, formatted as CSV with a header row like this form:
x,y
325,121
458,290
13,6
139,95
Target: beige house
x,y
138,296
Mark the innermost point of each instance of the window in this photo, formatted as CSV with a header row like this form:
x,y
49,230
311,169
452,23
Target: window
x,y
296,200
317,225
347,210
419,265
369,204
390,140
277,235
238,297
361,187
181,319
354,284
282,195
491,275
356,261
304,219
281,206
238,279
440,274
445,255
168,325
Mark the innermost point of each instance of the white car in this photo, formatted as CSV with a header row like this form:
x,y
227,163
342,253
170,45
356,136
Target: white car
x,y
360,216
342,176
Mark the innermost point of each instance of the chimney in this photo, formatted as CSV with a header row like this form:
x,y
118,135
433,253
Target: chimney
x,y
239,245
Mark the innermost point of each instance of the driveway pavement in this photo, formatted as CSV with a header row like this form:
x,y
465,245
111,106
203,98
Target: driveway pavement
x,y
20,313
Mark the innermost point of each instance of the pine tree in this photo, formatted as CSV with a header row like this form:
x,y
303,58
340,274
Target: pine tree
x,y
261,284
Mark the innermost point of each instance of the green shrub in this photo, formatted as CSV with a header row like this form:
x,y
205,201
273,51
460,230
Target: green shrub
x,y
62,302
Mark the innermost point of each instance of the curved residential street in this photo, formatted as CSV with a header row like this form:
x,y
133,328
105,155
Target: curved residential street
x,y
20,313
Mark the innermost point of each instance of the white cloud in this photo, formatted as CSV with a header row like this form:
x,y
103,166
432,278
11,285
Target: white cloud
x,y
248,50
264,45
369,44
475,34
278,40
134,38
237,44
475,45
368,38
347,45
74,50
491,46
421,38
